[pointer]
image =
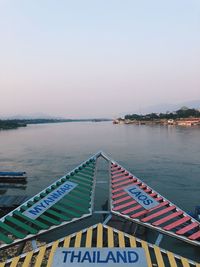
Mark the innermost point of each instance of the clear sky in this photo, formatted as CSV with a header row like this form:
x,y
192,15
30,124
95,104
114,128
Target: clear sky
x,y
97,58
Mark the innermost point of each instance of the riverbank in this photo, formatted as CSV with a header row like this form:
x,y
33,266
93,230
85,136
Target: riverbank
x,y
14,124
11,124
181,117
176,122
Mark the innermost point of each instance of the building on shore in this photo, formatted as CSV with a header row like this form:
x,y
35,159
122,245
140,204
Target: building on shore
x,y
178,122
171,122
188,122
118,121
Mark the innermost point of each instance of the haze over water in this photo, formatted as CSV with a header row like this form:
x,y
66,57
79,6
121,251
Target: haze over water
x,y
80,59
167,158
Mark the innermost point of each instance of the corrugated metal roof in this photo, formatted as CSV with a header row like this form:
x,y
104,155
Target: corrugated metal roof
x,y
75,205
165,217
78,204
100,236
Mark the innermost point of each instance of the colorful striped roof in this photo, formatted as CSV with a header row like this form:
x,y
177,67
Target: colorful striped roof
x,y
166,217
100,236
71,198
77,204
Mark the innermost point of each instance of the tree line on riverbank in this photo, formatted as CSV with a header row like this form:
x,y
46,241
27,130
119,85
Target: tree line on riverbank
x,y
10,124
16,123
179,114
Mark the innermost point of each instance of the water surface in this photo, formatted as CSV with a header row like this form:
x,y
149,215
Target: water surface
x,y
167,158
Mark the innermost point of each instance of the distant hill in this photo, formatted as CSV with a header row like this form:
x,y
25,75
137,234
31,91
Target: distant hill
x,y
14,123
182,113
34,116
171,107
48,118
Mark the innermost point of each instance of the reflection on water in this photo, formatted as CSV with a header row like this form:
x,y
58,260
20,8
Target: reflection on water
x,y
167,158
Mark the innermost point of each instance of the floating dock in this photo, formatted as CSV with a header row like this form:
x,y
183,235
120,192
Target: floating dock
x,y
13,177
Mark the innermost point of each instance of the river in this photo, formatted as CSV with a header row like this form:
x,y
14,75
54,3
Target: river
x,y
166,158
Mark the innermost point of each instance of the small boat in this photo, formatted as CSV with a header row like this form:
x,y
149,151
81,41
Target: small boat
x,y
12,177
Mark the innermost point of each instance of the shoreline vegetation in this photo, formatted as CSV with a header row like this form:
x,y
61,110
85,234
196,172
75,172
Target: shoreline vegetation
x,y
17,123
182,117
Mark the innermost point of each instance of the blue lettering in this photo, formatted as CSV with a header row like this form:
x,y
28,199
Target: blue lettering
x,y
54,195
63,190
99,260
142,197
94,256
51,199
59,192
110,257
65,256
122,256
148,202
131,190
46,201
86,257
68,186
133,257
41,205
136,193
35,211
73,255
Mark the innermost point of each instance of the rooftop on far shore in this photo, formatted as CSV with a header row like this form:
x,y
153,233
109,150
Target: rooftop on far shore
x,y
182,117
